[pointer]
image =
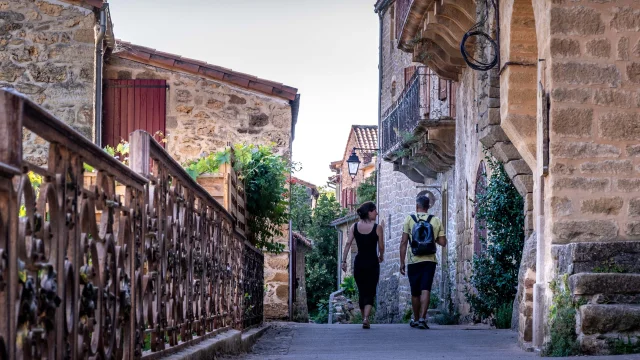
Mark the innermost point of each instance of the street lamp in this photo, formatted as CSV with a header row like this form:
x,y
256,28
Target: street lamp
x,y
354,162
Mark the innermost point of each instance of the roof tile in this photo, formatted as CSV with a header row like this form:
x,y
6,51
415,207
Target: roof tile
x,y
143,54
187,66
162,60
212,73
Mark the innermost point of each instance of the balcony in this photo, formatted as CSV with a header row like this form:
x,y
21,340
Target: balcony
x,y
432,31
418,130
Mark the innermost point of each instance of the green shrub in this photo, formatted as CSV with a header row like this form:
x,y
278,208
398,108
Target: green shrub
x,y
366,191
621,347
321,313
350,287
495,271
408,314
434,301
447,318
564,340
503,316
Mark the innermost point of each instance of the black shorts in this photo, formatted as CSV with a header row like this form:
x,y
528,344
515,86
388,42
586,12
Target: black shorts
x,y
421,276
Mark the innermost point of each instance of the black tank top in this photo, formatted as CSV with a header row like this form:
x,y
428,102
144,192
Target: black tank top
x,y
367,244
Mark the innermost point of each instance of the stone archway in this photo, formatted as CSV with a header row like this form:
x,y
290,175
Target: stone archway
x,y
518,120
479,227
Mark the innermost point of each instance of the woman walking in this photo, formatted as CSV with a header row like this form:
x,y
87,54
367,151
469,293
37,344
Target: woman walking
x,y
370,240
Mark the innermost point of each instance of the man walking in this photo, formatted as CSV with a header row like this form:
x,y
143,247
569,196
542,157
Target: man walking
x,y
420,234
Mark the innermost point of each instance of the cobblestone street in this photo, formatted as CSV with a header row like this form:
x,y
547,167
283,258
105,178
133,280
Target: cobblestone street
x,y
398,341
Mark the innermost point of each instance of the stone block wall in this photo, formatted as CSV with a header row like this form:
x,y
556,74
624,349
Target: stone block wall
x,y
204,115
47,52
594,82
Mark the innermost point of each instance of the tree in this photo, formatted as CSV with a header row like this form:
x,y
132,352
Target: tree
x,y
322,261
495,271
367,189
300,208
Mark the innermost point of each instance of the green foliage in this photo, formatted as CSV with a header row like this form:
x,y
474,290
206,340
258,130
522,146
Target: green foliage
x,y
320,314
408,314
322,264
447,318
609,266
503,316
265,181
367,189
434,300
495,271
300,208
350,287
620,346
562,321
36,182
120,152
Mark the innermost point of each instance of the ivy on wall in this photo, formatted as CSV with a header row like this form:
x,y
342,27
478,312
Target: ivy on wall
x,y
494,279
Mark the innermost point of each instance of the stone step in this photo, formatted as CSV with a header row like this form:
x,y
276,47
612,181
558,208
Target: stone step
x,y
593,256
612,318
606,287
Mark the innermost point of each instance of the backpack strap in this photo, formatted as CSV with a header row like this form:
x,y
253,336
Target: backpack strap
x,y
415,218
429,219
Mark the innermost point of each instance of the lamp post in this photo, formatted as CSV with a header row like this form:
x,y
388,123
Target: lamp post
x,y
354,162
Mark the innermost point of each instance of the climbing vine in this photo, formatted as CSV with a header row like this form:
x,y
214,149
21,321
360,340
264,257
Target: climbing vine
x,y
367,189
493,283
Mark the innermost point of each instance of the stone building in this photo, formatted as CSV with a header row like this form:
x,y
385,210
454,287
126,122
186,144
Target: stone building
x,y
557,102
362,141
63,55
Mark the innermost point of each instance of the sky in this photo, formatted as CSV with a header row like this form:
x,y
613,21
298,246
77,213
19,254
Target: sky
x,y
327,49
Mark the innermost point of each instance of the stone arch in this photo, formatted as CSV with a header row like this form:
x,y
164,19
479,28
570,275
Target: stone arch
x,y
479,227
518,76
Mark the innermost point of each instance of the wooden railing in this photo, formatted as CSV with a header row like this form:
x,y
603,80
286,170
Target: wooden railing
x,y
162,269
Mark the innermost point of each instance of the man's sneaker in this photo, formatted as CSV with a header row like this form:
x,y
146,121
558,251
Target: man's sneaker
x,y
422,324
413,323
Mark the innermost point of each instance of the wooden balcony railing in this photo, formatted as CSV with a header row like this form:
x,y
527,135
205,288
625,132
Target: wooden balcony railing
x,y
162,269
426,101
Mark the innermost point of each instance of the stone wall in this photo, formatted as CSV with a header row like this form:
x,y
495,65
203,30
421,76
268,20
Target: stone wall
x,y
203,116
47,52
397,194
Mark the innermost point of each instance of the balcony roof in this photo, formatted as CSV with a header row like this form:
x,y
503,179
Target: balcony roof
x,y
432,31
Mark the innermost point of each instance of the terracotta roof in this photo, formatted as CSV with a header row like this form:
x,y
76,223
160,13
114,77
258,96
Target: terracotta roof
x,y
303,240
174,62
95,3
344,219
335,165
366,136
314,188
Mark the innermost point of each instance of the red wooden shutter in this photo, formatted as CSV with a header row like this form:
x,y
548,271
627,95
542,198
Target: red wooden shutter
x,y
408,74
131,105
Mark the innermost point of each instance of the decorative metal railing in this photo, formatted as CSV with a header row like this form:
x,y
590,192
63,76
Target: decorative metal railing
x,y
425,97
139,264
253,270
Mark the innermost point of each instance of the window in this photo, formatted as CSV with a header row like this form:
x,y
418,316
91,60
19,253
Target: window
x,y
479,227
131,105
408,74
393,89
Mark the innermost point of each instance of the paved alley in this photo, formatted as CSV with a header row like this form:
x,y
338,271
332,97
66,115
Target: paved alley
x,y
390,342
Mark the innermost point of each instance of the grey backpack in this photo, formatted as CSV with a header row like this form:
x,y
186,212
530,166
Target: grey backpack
x,y
422,237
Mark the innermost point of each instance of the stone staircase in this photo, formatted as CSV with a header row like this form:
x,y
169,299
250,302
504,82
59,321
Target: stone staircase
x,y
605,278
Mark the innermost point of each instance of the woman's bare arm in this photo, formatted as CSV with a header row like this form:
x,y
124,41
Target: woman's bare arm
x,y
380,232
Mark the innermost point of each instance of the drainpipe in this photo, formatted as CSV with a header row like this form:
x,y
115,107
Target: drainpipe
x,y
379,160
97,110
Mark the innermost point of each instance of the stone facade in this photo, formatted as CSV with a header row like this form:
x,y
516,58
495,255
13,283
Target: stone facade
x,y
203,115
47,52
561,112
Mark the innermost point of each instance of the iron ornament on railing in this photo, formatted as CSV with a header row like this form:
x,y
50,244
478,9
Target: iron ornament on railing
x,y
126,263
